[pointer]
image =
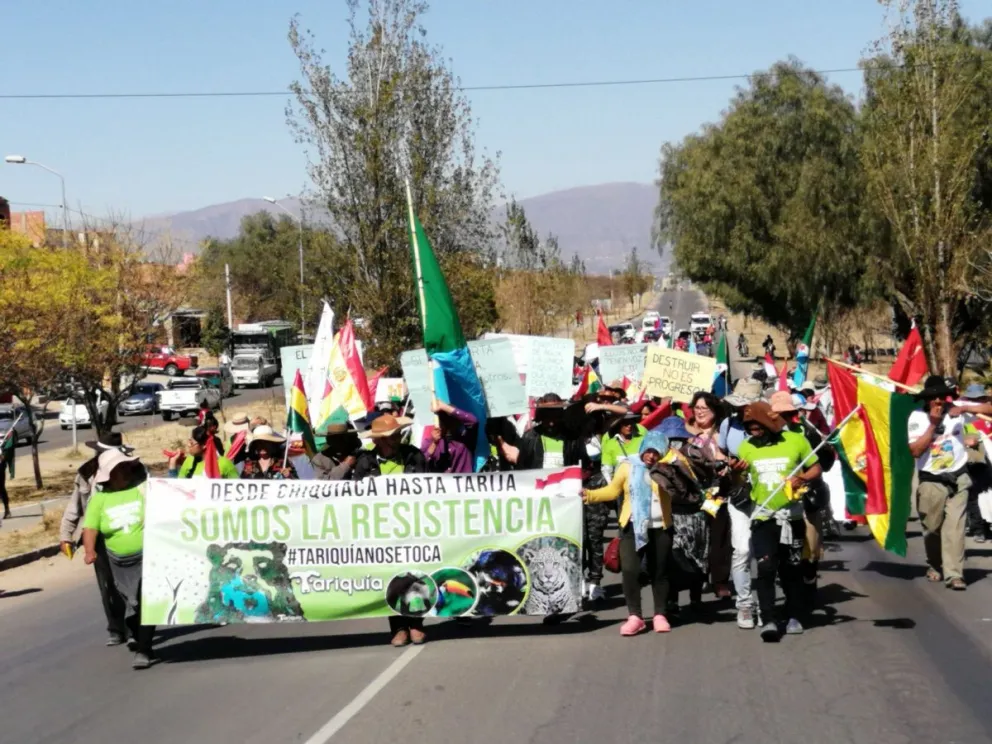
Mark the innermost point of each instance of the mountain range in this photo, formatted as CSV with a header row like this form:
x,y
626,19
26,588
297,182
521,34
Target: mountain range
x,y
599,223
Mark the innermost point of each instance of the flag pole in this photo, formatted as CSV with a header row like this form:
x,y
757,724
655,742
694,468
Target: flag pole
x,y
420,287
802,465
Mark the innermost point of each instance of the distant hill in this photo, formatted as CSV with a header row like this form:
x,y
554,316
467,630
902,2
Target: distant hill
x,y
599,223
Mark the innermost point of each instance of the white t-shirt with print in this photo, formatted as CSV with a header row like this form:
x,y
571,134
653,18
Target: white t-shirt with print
x,y
947,453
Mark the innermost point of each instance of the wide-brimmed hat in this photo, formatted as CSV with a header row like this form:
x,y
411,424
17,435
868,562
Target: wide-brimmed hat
x,y
935,387
386,425
781,402
238,424
624,418
762,413
110,459
335,424
673,427
108,441
975,391
266,433
745,392
802,403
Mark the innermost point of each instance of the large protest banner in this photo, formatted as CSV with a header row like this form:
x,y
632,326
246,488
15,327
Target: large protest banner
x,y
676,374
622,360
497,370
227,551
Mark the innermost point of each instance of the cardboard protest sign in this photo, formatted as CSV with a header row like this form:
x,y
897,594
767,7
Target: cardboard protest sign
x,y
549,368
623,360
417,374
294,358
420,545
677,374
497,370
390,388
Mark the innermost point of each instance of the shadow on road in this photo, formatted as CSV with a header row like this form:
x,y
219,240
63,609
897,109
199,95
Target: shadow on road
x,y
19,592
904,571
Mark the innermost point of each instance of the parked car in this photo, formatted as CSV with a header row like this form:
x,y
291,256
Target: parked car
x,y
621,328
700,321
165,359
254,370
182,397
82,413
218,377
22,431
143,400
650,320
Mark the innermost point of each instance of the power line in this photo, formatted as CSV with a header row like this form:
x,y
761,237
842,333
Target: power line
x,y
466,88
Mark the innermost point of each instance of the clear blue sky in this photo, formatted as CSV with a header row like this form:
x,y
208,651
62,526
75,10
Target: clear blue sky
x,y
152,156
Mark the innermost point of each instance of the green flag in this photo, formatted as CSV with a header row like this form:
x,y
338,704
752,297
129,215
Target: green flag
x,y
722,381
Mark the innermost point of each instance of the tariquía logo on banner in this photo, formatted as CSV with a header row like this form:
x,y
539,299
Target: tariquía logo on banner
x,y
479,544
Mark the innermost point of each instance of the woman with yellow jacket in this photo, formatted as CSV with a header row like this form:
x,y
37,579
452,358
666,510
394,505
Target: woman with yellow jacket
x,y
645,531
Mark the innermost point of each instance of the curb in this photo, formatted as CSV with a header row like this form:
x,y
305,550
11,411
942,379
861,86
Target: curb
x,y
32,555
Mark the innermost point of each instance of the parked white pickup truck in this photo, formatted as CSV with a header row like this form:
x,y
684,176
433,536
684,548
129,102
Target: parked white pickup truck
x,y
183,396
254,370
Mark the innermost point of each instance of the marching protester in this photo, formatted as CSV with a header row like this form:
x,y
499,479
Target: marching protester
x,y
975,400
341,446
116,513
6,464
645,532
548,444
266,457
777,525
936,440
622,441
449,445
391,456
192,462
84,485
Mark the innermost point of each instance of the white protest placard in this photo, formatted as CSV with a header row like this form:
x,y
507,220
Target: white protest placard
x,y
677,374
390,388
417,375
519,345
623,360
546,362
497,370
293,358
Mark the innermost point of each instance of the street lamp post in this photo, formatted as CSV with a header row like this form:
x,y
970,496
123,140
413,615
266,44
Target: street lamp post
x,y
21,160
299,242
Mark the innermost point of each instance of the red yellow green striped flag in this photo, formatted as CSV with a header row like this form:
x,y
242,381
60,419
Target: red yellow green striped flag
x,y
874,451
298,418
589,384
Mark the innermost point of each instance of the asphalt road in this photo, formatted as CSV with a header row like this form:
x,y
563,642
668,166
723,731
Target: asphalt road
x,y
890,659
53,437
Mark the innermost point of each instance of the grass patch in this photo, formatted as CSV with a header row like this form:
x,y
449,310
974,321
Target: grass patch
x,y
39,535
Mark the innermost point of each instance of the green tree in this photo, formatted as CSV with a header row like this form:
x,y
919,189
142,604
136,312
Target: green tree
x,y
926,155
395,115
765,208
216,335
634,277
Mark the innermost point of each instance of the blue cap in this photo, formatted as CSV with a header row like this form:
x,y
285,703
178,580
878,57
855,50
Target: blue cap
x,y
674,428
975,391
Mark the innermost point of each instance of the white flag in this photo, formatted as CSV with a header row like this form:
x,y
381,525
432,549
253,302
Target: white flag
x,y
315,378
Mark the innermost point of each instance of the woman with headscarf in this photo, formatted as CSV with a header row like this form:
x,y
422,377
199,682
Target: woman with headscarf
x,y
117,513
265,457
645,532
706,415
777,527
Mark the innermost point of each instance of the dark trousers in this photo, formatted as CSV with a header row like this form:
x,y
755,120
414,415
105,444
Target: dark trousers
x,y
142,634
594,518
401,622
3,488
720,547
657,554
113,603
775,559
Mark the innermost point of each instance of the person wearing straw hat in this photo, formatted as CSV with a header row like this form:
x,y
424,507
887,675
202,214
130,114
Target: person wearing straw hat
x,y
83,487
116,512
937,441
777,526
341,447
390,456
265,457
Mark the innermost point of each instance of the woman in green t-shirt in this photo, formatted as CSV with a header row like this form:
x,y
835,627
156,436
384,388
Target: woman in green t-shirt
x,y
773,454
117,512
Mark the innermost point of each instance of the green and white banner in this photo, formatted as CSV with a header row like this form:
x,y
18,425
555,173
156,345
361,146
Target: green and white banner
x,y
483,544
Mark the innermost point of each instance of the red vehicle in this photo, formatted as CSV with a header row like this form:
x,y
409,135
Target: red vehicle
x,y
165,359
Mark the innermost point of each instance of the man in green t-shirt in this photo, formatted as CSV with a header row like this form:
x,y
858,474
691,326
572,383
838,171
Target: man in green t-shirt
x,y
773,454
622,441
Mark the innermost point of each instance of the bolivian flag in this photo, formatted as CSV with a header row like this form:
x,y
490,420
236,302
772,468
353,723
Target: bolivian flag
x,y
589,384
298,419
874,451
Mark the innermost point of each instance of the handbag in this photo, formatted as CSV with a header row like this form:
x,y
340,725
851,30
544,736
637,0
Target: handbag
x,y
611,557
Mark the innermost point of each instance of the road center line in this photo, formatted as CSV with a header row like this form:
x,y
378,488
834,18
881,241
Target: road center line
x,y
329,729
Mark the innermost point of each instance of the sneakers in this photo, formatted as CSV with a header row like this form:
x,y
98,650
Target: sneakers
x,y
794,627
141,660
115,639
661,624
769,633
632,626
745,618
596,592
